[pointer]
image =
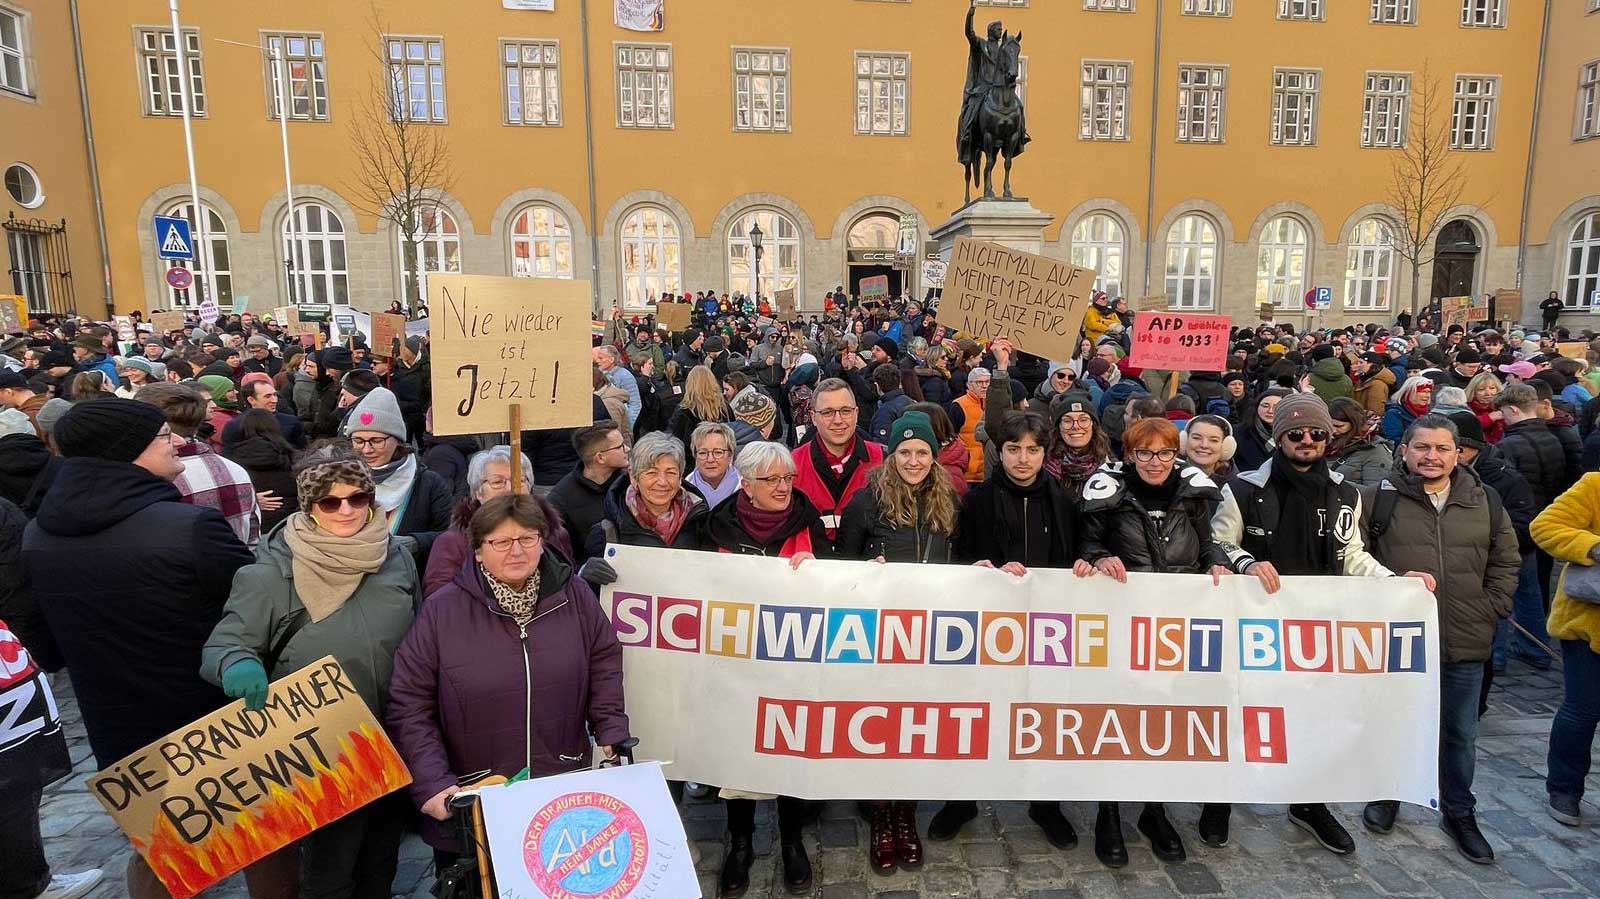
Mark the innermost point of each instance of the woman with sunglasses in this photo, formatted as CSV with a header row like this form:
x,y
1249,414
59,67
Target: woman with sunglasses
x,y
329,580
1151,513
513,666
767,517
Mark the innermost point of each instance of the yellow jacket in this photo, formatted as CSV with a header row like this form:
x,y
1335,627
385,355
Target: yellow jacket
x,y
1096,322
1569,529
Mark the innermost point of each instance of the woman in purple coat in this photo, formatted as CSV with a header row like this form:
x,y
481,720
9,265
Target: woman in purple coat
x,y
512,665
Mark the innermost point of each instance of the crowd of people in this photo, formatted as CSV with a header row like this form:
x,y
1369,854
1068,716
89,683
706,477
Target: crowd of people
x,y
216,506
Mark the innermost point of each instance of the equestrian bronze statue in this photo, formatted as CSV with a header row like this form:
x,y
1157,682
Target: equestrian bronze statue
x,y
992,123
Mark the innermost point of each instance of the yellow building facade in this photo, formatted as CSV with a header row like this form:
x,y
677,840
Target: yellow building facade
x,y
1218,153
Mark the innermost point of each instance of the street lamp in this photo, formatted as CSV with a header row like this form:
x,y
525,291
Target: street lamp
x,y
756,238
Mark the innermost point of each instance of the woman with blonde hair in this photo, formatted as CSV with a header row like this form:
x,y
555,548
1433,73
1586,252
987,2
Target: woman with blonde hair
x,y
702,401
1481,391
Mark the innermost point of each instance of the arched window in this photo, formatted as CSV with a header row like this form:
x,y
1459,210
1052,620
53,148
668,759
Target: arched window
x,y
780,256
318,256
1583,261
438,243
541,243
878,231
1369,269
212,267
1192,263
652,258
1097,244
1281,263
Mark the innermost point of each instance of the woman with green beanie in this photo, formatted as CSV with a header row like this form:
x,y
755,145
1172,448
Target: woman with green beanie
x,y
224,407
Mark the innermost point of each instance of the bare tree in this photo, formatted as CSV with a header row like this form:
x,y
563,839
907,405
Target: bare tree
x,y
1426,178
402,162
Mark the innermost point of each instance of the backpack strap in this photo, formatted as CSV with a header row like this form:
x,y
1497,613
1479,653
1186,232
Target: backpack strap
x,y
297,620
1384,501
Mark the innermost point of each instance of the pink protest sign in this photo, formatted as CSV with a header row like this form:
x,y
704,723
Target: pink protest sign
x,y
1180,341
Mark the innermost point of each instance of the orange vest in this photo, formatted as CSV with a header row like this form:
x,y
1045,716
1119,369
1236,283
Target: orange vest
x,y
969,436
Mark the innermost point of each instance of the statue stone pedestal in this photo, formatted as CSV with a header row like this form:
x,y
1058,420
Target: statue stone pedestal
x,y
1013,223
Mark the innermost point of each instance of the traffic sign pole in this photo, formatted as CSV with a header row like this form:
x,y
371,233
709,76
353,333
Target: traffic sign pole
x,y
202,254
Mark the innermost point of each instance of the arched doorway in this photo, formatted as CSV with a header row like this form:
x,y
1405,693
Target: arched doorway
x,y
1455,260
869,251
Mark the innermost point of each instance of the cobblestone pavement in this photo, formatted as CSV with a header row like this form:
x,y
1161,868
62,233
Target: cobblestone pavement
x,y
1003,855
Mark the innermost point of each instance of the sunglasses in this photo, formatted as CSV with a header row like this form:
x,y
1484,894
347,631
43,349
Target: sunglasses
x,y
1299,435
328,505
1063,376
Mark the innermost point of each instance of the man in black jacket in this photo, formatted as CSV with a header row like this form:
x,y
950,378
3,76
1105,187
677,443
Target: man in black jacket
x,y
581,495
1531,446
124,582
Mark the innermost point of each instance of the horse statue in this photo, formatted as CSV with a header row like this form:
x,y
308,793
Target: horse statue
x,y
993,123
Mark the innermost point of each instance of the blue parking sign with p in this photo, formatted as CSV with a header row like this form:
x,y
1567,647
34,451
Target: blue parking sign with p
x,y
1324,297
173,240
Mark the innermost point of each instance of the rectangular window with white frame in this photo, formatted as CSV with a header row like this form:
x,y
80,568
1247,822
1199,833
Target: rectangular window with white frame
x,y
1022,78
307,70
1294,107
1300,10
1208,7
1394,12
1202,95
14,74
883,88
760,89
1472,119
416,77
532,81
1103,101
1109,5
1483,13
1589,100
1384,108
644,86
158,68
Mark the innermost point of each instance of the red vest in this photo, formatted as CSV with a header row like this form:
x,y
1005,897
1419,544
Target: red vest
x,y
810,481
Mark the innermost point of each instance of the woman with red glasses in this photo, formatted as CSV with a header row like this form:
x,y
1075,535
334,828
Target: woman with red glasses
x,y
329,580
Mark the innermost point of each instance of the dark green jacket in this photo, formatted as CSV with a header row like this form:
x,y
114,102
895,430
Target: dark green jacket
x,y
1472,554
362,634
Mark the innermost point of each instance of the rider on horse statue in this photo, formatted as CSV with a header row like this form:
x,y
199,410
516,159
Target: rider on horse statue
x,y
992,118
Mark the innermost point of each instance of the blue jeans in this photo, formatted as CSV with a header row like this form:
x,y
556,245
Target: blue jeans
x,y
1572,731
1527,608
1459,685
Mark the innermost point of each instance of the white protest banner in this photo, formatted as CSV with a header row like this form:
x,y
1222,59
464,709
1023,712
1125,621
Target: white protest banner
x,y
994,291
612,832
509,341
640,15
417,327
858,680
933,272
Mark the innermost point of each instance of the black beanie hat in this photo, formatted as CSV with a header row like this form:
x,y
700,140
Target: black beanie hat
x,y
109,428
1470,430
337,358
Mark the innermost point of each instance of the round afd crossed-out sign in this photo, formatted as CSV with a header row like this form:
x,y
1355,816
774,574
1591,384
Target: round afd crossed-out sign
x,y
586,845
180,278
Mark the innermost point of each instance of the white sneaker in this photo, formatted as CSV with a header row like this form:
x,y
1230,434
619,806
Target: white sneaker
x,y
71,886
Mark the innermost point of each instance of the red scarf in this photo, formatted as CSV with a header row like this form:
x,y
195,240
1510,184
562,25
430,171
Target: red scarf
x,y
666,525
762,525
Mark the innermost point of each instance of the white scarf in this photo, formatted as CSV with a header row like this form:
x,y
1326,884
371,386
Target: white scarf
x,y
394,486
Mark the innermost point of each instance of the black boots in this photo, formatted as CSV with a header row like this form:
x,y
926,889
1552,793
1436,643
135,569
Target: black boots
x,y
1108,845
735,877
796,868
1164,840
1214,819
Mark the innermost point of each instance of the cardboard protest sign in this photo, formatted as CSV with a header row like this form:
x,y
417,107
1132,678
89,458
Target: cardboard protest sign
x,y
1573,349
607,833
933,272
209,799
1156,303
504,341
1180,341
124,325
13,313
786,303
1461,310
387,327
673,316
875,286
1508,305
1267,311
1036,301
167,322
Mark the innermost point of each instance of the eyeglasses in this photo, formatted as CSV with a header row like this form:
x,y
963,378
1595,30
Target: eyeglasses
x,y
328,505
845,412
1077,424
497,483
776,480
527,542
1145,455
711,454
1299,435
361,443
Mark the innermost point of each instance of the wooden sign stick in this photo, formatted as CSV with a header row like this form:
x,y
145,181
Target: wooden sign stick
x,y
516,449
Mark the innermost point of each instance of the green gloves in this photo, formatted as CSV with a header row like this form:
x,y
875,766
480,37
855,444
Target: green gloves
x,y
247,680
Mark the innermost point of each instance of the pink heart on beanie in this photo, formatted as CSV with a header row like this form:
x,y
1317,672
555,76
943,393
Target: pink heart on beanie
x,y
366,418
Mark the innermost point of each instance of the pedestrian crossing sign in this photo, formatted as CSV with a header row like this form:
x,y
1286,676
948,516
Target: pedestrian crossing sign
x,y
173,238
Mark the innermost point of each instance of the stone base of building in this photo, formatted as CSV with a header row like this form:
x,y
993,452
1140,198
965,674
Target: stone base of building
x,y
1014,223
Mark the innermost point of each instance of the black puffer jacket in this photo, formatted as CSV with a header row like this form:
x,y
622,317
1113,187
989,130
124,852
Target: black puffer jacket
x,y
1533,449
26,468
864,534
619,525
269,466
1175,540
1515,495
